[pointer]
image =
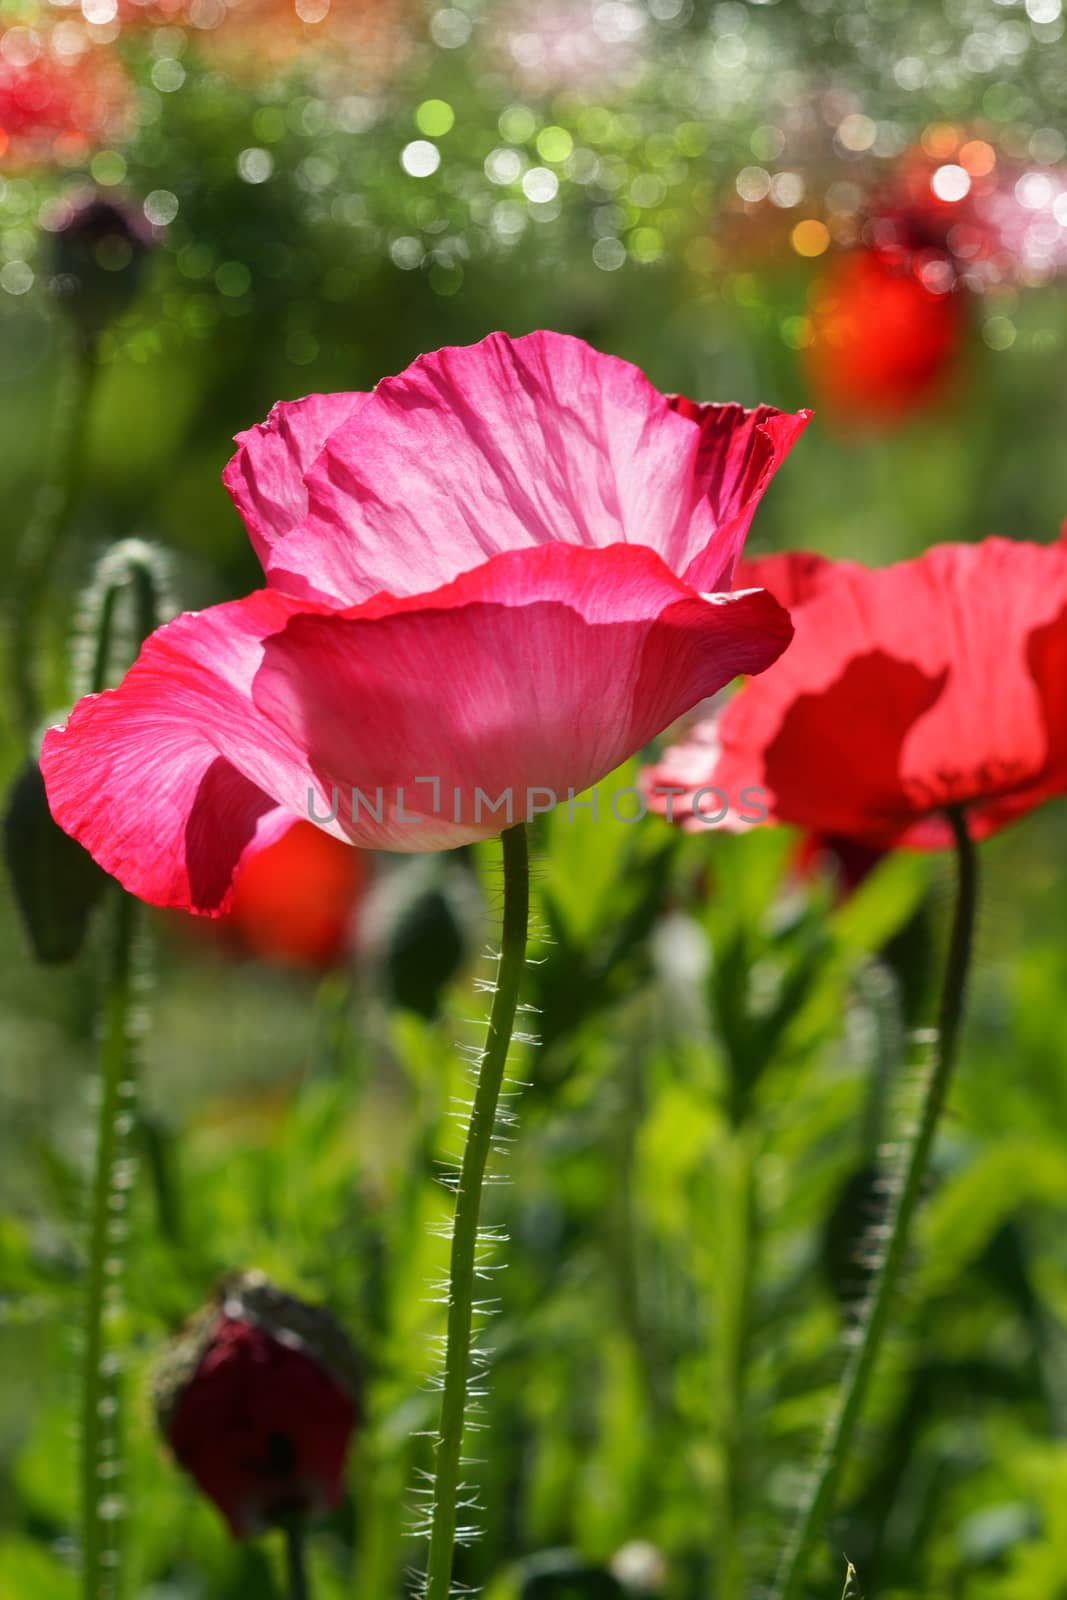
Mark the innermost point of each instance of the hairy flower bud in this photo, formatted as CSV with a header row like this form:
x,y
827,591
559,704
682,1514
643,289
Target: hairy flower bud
x,y
98,252
257,1398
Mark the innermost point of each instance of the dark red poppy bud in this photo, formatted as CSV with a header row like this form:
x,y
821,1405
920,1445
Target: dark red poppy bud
x,y
258,1398
98,252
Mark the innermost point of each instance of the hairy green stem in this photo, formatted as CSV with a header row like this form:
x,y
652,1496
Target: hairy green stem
x,y
296,1564
100,1455
857,1373
449,1444
99,1458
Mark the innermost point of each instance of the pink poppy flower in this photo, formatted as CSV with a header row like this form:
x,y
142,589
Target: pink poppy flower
x,y
494,578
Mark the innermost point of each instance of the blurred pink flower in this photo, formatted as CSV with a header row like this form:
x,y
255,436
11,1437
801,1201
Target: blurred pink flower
x,y
586,47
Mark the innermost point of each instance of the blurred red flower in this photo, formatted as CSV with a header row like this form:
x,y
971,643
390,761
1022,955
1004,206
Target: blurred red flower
x,y
295,901
938,682
57,107
258,1400
884,337
500,574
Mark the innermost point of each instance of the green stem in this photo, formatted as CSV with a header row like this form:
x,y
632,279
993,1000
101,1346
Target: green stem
x,y
872,1329
100,1484
465,1236
737,1266
296,1564
42,542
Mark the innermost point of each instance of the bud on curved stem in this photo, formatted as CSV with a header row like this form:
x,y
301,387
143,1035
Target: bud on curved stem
x,y
101,1479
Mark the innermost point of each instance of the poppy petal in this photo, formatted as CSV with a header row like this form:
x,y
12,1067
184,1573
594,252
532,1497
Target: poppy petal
x,y
265,478
540,672
513,444
168,779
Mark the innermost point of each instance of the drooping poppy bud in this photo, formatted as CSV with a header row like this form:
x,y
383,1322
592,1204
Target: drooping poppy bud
x,y
258,1398
98,253
419,928
56,882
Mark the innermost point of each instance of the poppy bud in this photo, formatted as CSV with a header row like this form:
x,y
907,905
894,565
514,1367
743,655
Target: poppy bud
x,y
56,882
98,251
419,927
258,1398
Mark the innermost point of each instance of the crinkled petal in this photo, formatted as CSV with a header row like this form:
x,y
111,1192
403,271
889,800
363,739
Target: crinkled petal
x,y
265,478
739,453
533,676
514,444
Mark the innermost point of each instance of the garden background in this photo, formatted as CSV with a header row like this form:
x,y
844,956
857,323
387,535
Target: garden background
x,y
728,1030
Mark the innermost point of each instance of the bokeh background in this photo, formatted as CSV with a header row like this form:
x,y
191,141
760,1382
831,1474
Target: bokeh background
x,y
862,207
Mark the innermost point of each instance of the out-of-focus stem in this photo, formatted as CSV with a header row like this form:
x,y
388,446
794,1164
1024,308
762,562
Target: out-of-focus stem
x,y
865,1352
296,1565
43,540
736,1274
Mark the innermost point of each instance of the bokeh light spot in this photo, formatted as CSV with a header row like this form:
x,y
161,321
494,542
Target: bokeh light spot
x,y
255,165
420,158
161,207
435,118
810,237
950,183
554,144
108,168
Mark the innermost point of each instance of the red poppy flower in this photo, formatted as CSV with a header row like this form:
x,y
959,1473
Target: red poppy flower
x,y
489,583
939,682
884,337
258,1400
56,108
295,901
